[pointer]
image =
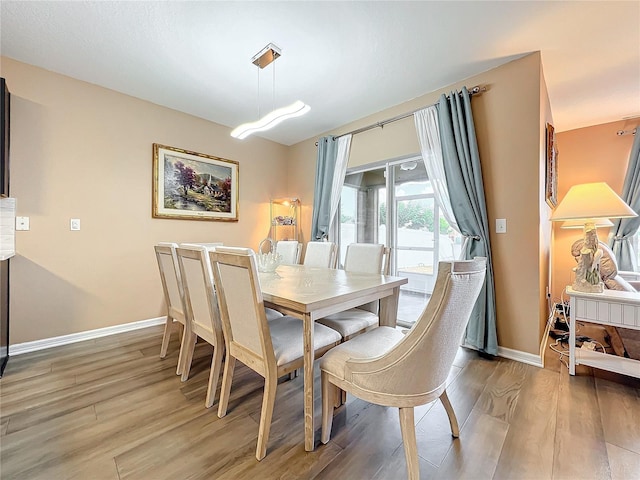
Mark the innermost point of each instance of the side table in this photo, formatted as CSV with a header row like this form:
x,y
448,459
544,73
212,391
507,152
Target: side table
x,y
620,309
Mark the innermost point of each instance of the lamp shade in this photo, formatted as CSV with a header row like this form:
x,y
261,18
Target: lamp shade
x,y
590,201
599,223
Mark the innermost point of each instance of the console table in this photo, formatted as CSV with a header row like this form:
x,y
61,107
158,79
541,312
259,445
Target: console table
x,y
620,309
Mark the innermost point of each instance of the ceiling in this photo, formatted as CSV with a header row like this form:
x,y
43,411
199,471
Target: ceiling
x,y
347,60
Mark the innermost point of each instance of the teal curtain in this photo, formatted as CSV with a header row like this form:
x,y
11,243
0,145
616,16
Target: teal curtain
x,y
325,170
464,181
625,228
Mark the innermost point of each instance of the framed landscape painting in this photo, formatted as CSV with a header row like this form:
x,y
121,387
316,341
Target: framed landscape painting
x,y
193,186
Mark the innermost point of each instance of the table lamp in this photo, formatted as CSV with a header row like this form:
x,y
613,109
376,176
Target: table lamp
x,y
590,202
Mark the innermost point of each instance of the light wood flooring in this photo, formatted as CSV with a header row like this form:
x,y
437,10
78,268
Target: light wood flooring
x,y
111,409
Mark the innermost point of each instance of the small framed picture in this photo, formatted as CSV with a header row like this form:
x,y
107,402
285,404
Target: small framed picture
x,y
193,186
551,177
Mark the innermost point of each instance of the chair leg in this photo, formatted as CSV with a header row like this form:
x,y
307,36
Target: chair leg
x,y
166,336
225,391
186,353
455,432
268,401
410,446
214,375
328,401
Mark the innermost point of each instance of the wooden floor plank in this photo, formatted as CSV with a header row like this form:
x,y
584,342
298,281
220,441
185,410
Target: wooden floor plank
x,y
528,447
127,415
475,454
580,450
620,412
433,432
625,465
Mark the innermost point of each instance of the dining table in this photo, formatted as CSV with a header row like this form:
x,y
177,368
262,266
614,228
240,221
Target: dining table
x,y
311,293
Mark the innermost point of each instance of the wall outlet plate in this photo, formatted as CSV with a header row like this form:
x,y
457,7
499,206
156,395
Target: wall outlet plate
x,y
75,224
22,223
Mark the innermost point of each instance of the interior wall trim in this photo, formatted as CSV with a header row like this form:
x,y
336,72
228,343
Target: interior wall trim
x,y
516,355
519,356
45,343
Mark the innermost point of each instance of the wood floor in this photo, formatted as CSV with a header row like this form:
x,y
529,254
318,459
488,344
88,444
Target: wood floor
x,y
112,409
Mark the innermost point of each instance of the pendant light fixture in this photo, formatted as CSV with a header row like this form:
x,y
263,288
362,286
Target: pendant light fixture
x,y
265,57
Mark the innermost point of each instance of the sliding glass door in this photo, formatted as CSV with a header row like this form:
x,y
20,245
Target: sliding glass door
x,y
412,226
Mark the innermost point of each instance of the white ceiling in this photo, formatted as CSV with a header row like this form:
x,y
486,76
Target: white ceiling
x,y
346,60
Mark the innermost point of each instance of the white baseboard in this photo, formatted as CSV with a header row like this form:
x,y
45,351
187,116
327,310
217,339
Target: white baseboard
x,y
36,345
519,356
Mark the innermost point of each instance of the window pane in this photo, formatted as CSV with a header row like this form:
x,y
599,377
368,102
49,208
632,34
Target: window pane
x,y
415,225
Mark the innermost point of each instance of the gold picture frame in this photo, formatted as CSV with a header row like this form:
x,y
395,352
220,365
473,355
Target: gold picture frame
x,y
551,171
193,186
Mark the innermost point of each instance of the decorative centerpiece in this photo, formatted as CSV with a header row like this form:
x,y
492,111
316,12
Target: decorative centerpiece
x,y
268,262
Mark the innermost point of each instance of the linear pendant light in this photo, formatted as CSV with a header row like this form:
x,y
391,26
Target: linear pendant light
x,y
270,120
261,59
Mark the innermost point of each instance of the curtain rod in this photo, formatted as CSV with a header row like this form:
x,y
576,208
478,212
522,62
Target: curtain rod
x,y
472,91
621,133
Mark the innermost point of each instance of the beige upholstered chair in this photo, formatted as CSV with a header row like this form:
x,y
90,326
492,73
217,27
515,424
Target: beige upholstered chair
x,y
320,254
386,367
201,313
272,349
290,251
173,295
271,313
362,258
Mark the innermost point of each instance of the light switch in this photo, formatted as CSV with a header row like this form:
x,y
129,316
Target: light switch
x,y
22,223
75,224
501,225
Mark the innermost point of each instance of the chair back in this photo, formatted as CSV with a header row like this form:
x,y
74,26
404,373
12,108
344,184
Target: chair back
x,y
420,363
171,280
364,257
290,251
242,311
367,258
201,306
320,254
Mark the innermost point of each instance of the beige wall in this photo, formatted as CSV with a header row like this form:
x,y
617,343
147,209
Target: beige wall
x,y
509,129
82,151
592,154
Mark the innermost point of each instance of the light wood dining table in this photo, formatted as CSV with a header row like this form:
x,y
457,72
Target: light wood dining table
x,y
310,293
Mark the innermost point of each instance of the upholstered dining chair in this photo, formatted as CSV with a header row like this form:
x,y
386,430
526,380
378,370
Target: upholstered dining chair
x,y
362,258
386,367
271,313
173,295
201,313
320,254
272,349
290,251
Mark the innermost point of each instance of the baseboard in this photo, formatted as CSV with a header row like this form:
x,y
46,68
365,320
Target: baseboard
x,y
45,343
519,356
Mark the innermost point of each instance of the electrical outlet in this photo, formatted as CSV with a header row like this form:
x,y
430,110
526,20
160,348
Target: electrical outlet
x,y
501,225
75,224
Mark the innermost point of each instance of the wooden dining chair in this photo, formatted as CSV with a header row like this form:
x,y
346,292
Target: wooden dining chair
x,y
388,368
320,254
361,258
272,349
201,313
173,296
290,251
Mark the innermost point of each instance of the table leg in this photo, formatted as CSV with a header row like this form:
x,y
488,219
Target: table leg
x,y
309,443
572,338
389,309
